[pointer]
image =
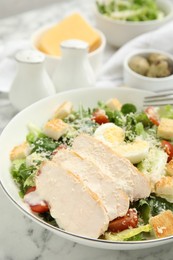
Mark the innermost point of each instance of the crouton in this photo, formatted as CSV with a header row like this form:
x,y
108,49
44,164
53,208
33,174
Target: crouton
x,y
169,168
55,128
162,224
63,110
20,151
165,128
114,104
164,188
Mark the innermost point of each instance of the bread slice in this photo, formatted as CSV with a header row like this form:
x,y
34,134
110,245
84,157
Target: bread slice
x,y
126,176
74,206
115,200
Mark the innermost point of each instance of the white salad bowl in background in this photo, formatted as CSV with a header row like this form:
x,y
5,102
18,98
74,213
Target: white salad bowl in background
x,y
38,113
119,32
95,57
134,80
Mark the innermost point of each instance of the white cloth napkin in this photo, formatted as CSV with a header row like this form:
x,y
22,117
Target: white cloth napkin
x,y
111,73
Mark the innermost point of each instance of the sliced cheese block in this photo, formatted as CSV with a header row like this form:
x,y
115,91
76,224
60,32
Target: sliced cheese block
x,y
74,206
71,27
116,201
126,176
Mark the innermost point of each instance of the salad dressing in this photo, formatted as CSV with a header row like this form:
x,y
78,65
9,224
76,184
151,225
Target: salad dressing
x,y
33,198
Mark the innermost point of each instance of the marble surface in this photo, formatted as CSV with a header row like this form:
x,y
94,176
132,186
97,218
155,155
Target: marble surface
x,y
20,238
12,7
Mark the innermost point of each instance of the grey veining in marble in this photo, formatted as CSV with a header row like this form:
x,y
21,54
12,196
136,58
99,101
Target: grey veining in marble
x,y
20,238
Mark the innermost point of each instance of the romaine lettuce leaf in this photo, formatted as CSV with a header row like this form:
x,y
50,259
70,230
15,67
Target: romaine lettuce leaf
x,y
128,233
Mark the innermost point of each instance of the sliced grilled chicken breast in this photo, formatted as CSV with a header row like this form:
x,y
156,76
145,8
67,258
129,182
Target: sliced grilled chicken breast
x,y
74,206
126,176
115,200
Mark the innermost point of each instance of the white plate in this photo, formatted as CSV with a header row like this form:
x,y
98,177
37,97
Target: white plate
x,y
38,113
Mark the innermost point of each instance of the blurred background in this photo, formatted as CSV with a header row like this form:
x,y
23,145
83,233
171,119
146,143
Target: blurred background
x,y
12,7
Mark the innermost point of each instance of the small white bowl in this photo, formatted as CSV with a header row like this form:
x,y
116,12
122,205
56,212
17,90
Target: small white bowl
x,y
95,57
135,80
119,32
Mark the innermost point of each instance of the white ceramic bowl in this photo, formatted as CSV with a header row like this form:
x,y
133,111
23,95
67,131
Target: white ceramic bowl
x,y
95,57
119,32
38,114
135,80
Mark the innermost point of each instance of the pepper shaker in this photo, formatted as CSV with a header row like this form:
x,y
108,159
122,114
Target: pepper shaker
x,y
74,69
32,82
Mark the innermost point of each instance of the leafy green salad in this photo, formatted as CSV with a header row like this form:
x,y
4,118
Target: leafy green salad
x,y
131,10
143,137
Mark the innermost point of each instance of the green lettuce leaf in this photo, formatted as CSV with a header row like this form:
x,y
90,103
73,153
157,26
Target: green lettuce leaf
x,y
128,233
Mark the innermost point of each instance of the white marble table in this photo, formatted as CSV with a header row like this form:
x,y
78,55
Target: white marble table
x,y
20,238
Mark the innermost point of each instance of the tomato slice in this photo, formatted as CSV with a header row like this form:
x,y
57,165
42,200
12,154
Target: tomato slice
x,y
168,147
152,115
130,220
38,208
31,189
100,117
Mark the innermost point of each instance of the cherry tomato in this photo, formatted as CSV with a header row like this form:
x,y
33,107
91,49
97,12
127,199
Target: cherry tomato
x,y
39,208
152,115
100,117
130,220
168,147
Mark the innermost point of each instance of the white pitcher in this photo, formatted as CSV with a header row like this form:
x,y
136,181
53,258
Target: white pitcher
x,y
74,69
32,82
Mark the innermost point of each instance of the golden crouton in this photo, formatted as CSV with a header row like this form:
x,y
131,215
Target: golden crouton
x,y
64,110
164,186
55,128
20,151
165,128
114,104
169,168
162,224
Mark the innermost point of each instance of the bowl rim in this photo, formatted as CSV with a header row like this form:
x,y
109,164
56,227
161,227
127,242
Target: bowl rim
x,y
95,240
35,37
167,17
65,234
146,51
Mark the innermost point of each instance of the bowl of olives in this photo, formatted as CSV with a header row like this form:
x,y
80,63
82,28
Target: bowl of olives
x,y
149,69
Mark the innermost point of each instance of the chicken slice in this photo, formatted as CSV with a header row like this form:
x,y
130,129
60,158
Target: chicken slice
x,y
115,201
75,207
126,176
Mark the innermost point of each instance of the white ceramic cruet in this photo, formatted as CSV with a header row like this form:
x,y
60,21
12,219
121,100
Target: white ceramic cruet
x,y
31,82
74,69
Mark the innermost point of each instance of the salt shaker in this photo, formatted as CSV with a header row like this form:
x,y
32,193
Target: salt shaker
x,y
32,82
74,69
